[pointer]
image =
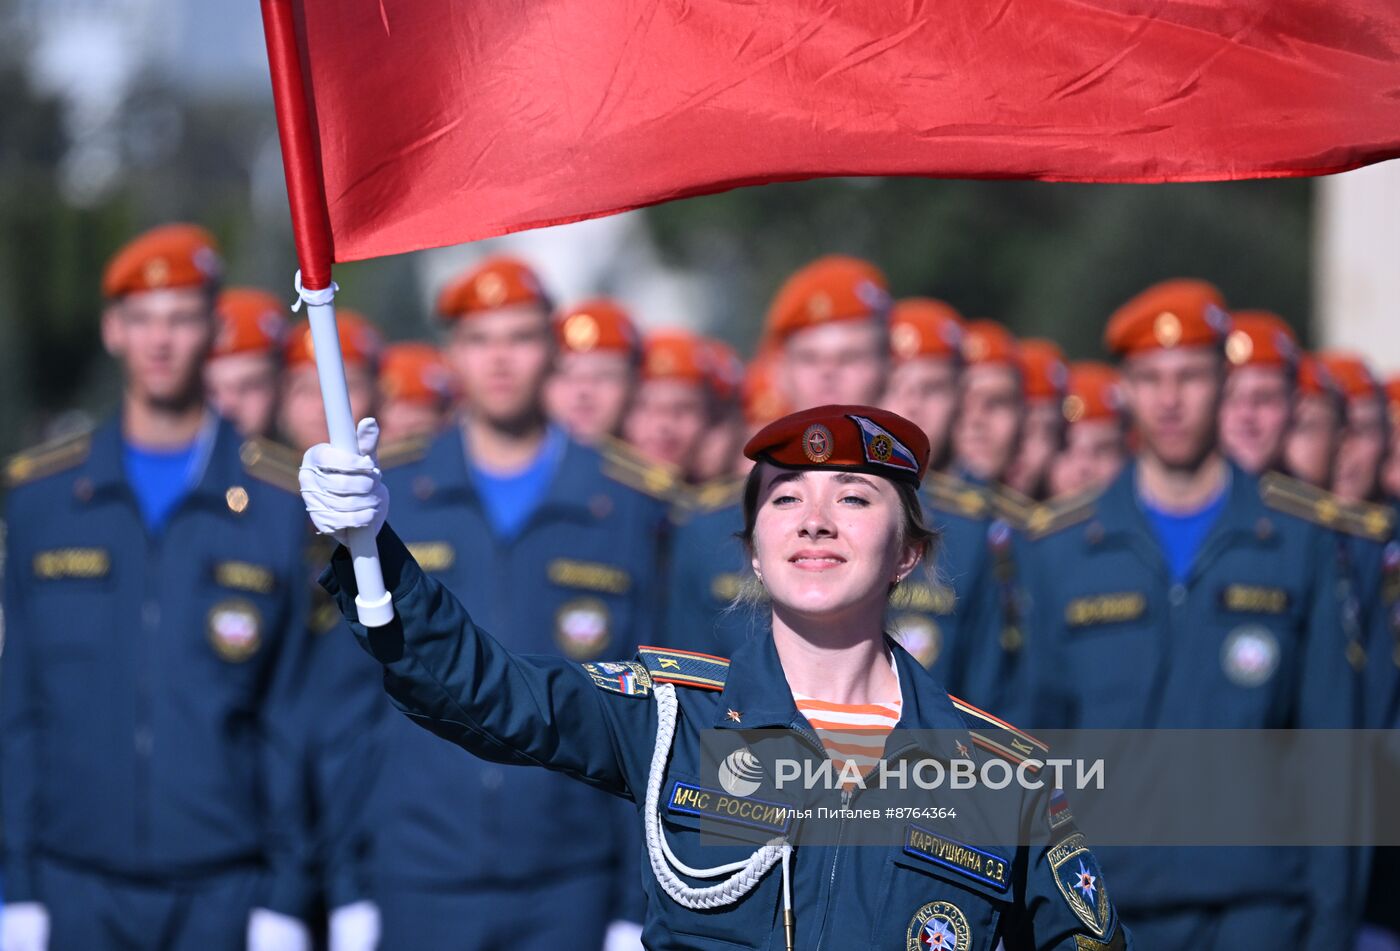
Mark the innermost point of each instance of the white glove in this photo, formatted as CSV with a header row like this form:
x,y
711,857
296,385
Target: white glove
x,y
355,927
24,926
342,490
623,936
274,931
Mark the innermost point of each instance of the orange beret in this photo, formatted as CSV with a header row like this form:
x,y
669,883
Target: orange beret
x,y
1392,398
250,321
762,401
596,324
1095,393
416,373
1177,313
174,255
1314,379
847,439
1262,339
360,343
924,327
726,368
1043,363
835,287
675,355
988,342
495,282
1353,377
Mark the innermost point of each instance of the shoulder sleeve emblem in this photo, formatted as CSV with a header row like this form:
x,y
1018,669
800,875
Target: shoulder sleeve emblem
x,y
684,668
271,462
47,459
1320,507
626,677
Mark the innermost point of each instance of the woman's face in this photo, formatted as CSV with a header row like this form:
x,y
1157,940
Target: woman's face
x,y
827,543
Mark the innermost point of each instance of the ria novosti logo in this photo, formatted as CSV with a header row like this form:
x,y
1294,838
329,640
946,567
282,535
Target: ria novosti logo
x,y
740,773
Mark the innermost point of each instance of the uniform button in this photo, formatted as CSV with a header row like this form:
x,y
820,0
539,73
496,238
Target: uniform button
x,y
144,741
492,778
1177,595
150,613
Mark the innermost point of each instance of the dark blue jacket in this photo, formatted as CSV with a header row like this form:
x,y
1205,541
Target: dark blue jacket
x,y
597,723
147,681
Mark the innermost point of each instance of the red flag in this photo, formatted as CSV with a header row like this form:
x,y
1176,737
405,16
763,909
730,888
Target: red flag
x,y
443,121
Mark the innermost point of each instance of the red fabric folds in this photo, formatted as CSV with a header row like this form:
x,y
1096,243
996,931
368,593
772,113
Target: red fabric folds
x,y
442,121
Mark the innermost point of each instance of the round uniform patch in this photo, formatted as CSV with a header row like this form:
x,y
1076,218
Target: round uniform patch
x,y
1249,655
235,629
920,636
939,926
881,447
817,443
581,628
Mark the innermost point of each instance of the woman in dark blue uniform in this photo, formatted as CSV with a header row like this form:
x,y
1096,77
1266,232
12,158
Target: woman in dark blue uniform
x,y
832,522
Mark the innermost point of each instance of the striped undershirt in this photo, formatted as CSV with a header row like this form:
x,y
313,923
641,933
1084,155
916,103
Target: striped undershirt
x,y
853,733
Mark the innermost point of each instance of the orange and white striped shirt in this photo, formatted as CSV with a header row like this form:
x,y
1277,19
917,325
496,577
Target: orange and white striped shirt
x,y
852,733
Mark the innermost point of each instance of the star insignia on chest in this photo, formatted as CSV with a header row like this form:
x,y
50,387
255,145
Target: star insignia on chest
x,y
734,715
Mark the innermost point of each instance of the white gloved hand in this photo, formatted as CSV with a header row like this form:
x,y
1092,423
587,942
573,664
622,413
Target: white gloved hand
x,y
623,936
355,927
24,926
274,931
343,491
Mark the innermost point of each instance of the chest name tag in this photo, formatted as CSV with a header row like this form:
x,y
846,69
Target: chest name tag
x,y
1254,599
244,576
716,804
432,556
72,563
976,864
588,575
1106,609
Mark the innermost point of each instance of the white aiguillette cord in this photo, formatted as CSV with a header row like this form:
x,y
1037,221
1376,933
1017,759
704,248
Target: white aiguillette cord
x,y
743,876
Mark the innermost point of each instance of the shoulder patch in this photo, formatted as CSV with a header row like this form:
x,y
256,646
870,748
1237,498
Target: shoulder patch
x,y
998,737
403,451
626,677
946,493
271,462
48,458
684,668
1320,507
621,463
1055,515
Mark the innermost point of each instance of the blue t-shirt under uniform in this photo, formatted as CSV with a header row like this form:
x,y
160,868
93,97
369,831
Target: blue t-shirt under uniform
x,y
161,478
511,498
1181,534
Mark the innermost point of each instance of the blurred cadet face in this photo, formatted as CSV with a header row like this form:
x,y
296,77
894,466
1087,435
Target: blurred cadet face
x,y
404,419
1093,455
301,417
1040,441
1311,444
587,393
667,420
925,392
844,361
501,359
1174,396
721,448
1254,416
989,420
161,338
243,388
1363,446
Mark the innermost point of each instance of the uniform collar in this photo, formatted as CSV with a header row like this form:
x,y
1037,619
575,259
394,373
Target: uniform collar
x,y
217,461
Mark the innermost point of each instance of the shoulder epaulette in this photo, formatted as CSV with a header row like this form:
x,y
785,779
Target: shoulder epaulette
x,y
947,493
718,493
621,463
1046,518
998,737
271,462
403,451
48,458
1320,507
1012,506
684,668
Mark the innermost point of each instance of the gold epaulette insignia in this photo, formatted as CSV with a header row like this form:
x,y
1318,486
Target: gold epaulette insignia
x,y
946,493
718,493
403,451
48,458
684,668
1049,517
621,463
998,737
1320,507
1012,506
271,462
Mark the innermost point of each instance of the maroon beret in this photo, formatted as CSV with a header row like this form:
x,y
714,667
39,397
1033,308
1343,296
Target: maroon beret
x,y
847,439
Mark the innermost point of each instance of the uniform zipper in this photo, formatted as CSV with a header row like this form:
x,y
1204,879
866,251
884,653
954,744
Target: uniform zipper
x,y
846,795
